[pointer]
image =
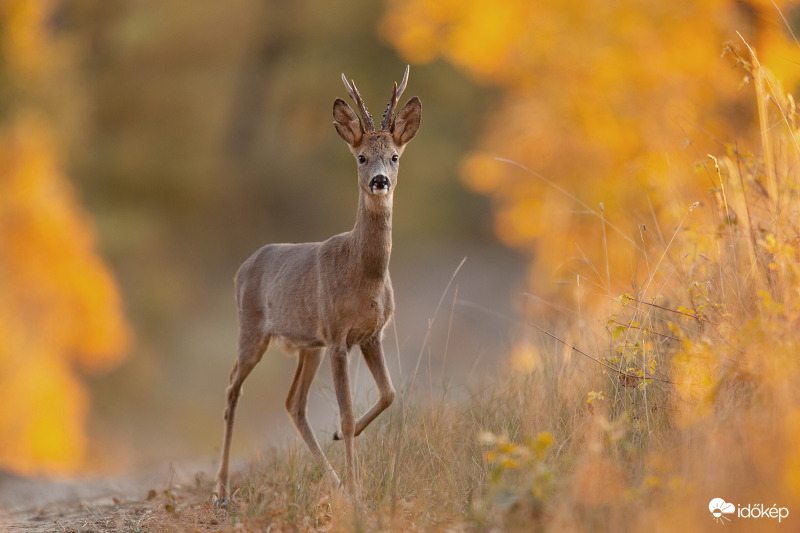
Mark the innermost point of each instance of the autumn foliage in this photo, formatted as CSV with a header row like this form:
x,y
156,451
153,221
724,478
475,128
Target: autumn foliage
x,y
598,97
60,310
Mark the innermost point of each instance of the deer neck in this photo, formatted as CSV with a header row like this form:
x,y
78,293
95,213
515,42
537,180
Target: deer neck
x,y
372,235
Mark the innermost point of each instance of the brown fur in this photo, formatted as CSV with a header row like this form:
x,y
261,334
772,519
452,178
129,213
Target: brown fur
x,y
333,294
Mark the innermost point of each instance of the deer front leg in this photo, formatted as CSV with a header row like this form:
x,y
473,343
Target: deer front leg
x,y
376,362
341,383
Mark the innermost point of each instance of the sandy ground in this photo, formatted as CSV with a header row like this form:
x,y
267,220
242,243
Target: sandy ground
x,y
171,498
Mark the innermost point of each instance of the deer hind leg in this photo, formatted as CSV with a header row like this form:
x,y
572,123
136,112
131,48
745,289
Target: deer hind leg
x,y
341,382
308,363
251,349
376,362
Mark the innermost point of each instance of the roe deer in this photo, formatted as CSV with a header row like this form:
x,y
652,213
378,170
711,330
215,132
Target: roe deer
x,y
332,294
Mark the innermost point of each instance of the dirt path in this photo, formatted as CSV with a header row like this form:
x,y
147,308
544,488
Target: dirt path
x,y
168,499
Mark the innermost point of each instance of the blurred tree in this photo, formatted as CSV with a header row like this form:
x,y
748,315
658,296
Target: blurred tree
x,y
60,312
597,97
208,133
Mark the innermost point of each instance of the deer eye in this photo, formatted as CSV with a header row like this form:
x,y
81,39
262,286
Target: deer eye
x,y
362,160
395,158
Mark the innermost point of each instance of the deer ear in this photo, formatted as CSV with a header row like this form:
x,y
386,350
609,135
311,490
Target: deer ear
x,y
346,122
407,122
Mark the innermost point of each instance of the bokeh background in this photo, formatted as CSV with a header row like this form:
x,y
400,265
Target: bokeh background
x,y
147,148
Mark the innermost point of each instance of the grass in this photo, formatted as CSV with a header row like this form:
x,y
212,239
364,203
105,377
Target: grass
x,y
688,394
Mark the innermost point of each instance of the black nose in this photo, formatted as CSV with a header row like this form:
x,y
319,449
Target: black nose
x,y
379,182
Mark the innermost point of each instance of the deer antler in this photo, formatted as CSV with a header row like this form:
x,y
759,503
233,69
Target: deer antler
x,y
356,96
388,115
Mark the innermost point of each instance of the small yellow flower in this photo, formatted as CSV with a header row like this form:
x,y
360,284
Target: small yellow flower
x,y
508,462
505,447
595,395
544,441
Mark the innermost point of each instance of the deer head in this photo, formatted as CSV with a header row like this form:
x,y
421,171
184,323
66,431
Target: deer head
x,y
377,152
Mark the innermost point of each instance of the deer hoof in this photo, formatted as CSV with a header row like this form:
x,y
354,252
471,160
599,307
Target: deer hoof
x,y
336,436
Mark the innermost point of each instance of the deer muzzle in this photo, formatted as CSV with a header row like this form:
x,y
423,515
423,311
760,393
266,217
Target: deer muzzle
x,y
380,185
